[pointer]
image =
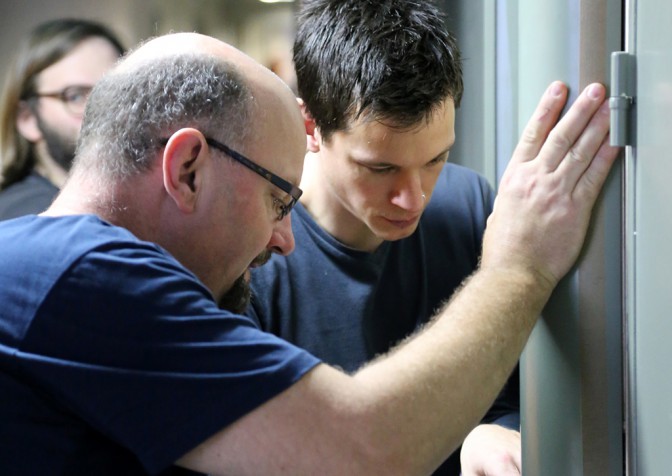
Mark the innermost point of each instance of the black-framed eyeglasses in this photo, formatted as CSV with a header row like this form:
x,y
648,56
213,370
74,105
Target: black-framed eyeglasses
x,y
281,208
73,97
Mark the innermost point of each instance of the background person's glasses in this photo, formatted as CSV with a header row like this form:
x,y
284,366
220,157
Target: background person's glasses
x,y
73,97
281,208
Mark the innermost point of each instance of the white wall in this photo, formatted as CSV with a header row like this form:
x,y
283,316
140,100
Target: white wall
x,y
263,31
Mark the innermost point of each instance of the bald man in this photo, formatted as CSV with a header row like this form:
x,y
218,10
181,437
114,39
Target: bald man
x,y
121,351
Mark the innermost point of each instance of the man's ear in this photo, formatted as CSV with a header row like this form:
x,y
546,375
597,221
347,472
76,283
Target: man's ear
x,y
312,133
182,165
26,123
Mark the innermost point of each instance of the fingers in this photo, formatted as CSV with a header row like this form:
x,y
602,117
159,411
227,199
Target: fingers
x,y
589,160
579,134
544,118
577,146
590,183
490,449
549,143
546,194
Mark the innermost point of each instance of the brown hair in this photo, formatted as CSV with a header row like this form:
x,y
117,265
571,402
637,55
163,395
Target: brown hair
x,y
47,44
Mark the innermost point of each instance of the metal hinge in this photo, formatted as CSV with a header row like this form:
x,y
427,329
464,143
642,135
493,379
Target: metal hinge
x,y
622,100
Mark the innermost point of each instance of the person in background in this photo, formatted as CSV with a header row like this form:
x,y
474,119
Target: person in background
x,y
387,229
116,354
41,108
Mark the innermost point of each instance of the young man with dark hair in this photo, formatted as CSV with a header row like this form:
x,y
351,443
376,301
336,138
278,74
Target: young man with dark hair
x,y
387,229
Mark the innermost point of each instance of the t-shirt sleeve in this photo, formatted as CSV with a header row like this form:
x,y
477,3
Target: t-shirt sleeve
x,y
134,344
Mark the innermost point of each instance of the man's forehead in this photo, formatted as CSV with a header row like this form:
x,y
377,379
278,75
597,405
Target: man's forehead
x,y
82,65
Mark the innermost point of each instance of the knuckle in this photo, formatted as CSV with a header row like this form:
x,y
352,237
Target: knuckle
x,y
575,156
559,142
531,135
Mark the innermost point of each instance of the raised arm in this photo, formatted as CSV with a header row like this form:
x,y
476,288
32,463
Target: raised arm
x,y
406,411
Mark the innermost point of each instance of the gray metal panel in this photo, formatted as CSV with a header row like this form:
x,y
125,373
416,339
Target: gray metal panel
x,y
473,23
571,368
507,127
650,245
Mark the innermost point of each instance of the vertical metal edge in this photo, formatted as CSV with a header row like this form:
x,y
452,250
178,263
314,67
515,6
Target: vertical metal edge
x,y
629,258
629,301
489,15
600,276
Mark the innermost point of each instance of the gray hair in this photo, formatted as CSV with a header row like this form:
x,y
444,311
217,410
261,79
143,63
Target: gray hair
x,y
130,113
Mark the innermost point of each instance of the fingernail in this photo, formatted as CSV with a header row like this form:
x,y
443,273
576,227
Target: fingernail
x,y
595,91
556,89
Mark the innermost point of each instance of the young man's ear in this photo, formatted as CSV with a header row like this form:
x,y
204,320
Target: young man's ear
x,y
312,133
26,123
182,165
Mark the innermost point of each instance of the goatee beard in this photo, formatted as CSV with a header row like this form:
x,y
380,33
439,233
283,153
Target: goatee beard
x,y
237,298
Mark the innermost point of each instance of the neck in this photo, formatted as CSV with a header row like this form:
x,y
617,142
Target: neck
x,y
80,197
84,193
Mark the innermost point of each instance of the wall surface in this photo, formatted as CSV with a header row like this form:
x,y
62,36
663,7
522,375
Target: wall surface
x,y
473,23
264,31
649,234
571,370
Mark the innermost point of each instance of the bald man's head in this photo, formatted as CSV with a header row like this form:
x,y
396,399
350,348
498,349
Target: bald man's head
x,y
175,81
147,159
176,44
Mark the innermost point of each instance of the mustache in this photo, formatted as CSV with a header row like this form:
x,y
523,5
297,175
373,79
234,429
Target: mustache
x,y
261,259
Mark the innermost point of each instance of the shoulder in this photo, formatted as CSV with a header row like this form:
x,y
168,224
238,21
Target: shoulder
x,y
461,191
462,179
31,195
79,241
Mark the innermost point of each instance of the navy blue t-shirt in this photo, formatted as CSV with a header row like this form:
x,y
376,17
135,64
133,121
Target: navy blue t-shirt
x,y
347,306
114,358
32,194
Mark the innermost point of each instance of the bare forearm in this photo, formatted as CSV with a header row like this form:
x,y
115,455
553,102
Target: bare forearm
x,y
402,414
480,334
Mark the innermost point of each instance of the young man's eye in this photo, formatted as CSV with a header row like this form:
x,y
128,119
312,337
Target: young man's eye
x,y
439,160
381,170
